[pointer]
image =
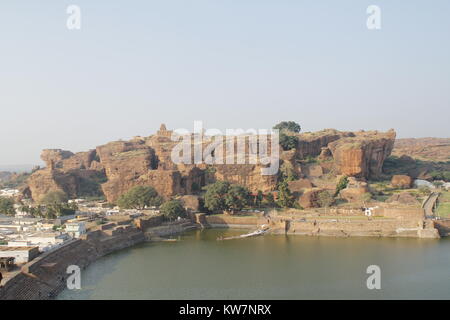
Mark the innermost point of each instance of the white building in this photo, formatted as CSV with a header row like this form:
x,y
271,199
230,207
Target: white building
x,y
19,243
20,254
26,221
47,241
112,212
9,193
76,229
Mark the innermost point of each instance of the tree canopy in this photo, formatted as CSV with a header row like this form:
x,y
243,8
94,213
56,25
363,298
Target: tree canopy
x,y
7,206
55,203
237,198
290,126
215,195
341,185
285,197
288,142
139,197
325,199
54,197
173,209
222,195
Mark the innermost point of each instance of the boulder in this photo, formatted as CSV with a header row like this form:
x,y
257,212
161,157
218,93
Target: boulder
x,y
355,190
363,155
299,185
403,198
313,170
401,181
309,198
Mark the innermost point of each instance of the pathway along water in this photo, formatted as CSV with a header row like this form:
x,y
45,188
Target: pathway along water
x,y
269,267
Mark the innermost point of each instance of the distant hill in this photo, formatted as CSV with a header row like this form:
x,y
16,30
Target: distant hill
x,y
16,167
427,149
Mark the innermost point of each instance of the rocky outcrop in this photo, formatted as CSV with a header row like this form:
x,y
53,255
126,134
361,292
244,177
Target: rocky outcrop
x,y
355,190
425,149
403,198
112,169
310,198
299,185
401,181
363,155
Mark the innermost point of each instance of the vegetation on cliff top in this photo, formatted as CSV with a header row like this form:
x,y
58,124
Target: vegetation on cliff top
x,y
288,141
290,126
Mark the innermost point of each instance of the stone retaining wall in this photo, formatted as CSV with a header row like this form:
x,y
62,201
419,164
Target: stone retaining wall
x,y
45,276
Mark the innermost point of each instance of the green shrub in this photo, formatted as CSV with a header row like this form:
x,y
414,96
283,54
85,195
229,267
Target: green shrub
x,y
173,209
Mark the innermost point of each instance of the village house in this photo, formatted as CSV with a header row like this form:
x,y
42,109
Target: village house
x,y
20,254
76,229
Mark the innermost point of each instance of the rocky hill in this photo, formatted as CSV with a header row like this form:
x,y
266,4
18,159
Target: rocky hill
x,y
426,149
115,167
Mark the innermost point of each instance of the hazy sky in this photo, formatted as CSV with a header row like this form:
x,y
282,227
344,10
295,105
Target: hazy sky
x,y
230,63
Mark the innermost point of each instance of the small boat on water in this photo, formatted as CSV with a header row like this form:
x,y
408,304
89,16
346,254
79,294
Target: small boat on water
x,y
247,235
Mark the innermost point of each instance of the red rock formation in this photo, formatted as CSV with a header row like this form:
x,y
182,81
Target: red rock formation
x,y
401,181
362,155
120,165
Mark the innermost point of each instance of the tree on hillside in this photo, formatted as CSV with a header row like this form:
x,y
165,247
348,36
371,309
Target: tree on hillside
x,y
237,198
341,185
288,142
325,199
54,197
290,126
269,201
215,195
7,206
55,203
259,198
285,197
173,209
287,171
139,197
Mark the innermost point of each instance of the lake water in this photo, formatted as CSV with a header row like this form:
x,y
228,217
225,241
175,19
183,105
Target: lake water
x,y
269,267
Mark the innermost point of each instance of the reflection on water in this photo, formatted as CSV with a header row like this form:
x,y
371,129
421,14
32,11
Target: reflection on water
x,y
270,267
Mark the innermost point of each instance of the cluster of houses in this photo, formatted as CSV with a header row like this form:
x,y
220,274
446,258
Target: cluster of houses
x,y
24,237
9,193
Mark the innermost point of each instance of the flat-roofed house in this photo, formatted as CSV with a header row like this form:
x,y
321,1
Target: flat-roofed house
x,y
20,254
76,229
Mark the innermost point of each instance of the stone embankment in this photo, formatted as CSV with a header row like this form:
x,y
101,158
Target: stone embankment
x,y
45,277
155,233
391,225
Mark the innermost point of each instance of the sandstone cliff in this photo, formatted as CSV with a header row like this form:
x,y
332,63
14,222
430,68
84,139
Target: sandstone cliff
x,y
115,167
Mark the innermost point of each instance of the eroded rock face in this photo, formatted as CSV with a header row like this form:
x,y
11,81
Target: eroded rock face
x,y
299,185
403,198
117,166
310,197
363,155
355,190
